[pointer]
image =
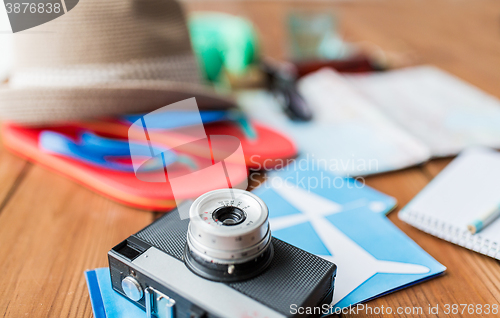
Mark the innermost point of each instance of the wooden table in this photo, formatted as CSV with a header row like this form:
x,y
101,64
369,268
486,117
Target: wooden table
x,y
52,229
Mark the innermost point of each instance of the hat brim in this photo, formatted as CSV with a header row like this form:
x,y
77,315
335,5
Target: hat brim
x,y
49,105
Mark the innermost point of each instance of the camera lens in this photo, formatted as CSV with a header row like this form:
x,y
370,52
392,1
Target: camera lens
x,y
229,215
228,237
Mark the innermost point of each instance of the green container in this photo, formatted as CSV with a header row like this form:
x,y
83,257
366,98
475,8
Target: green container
x,y
222,41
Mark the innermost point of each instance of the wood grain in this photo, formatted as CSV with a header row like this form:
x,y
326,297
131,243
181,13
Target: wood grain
x,y
52,229
12,171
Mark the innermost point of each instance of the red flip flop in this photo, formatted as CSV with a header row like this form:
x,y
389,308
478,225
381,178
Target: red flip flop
x,y
120,186
266,150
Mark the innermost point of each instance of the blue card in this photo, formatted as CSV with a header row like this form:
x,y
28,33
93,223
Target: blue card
x,y
106,303
345,223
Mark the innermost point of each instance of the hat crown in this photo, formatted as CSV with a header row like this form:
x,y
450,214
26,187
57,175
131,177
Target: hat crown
x,y
104,58
106,32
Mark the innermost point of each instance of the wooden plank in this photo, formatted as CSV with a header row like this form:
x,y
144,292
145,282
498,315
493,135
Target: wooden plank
x,y
12,171
434,167
51,231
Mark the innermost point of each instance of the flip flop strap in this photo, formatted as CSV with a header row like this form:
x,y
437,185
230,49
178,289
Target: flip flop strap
x,y
96,150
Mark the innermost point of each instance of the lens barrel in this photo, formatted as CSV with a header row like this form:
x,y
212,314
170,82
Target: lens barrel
x,y
229,238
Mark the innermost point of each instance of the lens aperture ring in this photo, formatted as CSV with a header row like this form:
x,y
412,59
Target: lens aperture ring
x,y
228,256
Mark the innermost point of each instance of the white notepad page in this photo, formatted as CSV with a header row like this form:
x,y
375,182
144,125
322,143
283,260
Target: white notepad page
x,y
467,188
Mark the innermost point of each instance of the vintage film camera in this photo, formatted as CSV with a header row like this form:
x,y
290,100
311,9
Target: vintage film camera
x,y
220,262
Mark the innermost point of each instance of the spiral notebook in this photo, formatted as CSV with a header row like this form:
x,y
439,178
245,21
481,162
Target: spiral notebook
x,y
468,187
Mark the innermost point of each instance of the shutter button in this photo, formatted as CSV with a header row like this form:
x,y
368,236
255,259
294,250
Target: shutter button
x,y
131,288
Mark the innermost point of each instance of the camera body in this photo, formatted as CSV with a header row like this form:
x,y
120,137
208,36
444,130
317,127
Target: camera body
x,y
163,269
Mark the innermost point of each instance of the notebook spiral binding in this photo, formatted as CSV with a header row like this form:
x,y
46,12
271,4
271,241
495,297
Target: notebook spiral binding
x,y
451,233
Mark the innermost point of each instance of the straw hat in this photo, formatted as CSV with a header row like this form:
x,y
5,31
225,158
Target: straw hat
x,y
104,58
